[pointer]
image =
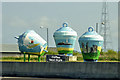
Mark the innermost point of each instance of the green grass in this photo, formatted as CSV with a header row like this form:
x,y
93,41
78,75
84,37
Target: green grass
x,y
51,52
21,58
109,56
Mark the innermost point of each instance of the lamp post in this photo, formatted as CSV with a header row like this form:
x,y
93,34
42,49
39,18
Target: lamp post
x,y
47,34
47,38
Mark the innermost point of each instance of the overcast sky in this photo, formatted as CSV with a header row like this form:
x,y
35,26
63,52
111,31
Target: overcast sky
x,y
17,17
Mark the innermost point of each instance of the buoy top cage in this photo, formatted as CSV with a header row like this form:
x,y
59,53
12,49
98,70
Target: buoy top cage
x,y
65,30
65,24
91,35
90,29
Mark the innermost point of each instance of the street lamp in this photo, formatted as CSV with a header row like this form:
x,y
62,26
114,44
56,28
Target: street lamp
x,y
47,35
47,38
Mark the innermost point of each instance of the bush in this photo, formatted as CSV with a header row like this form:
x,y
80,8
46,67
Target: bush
x,y
109,55
76,53
51,52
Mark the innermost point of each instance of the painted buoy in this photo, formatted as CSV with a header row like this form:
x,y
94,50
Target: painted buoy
x,y
30,42
90,43
65,38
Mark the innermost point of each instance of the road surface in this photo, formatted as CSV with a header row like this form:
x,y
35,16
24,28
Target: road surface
x,y
35,78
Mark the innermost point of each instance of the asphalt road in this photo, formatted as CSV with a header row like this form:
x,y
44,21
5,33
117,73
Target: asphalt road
x,y
33,78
